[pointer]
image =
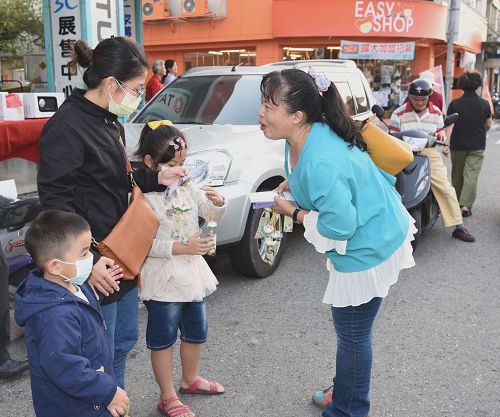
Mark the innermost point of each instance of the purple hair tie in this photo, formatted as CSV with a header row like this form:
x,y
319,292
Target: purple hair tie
x,y
322,82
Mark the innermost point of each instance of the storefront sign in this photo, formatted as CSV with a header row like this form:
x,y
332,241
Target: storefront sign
x,y
372,50
66,30
380,17
345,18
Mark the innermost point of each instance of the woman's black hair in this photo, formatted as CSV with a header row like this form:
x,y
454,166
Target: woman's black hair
x,y
297,91
156,143
470,81
118,57
169,64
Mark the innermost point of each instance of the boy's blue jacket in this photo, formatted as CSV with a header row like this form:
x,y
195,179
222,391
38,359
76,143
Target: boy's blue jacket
x,y
70,363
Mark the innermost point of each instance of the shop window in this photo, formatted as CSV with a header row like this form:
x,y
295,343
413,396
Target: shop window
x,y
293,53
219,57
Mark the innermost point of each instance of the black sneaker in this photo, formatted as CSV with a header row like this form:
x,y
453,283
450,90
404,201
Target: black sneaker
x,y
463,234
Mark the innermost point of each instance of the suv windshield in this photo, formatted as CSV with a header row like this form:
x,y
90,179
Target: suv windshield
x,y
213,99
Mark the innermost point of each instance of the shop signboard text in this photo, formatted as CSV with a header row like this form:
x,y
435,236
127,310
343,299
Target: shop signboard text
x,y
372,50
383,16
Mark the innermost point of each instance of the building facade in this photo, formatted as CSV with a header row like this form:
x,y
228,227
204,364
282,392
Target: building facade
x,y
392,41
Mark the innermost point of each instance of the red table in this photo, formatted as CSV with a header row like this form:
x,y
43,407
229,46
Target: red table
x,y
19,139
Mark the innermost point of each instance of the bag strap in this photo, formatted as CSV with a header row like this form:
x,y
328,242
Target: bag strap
x,y
128,165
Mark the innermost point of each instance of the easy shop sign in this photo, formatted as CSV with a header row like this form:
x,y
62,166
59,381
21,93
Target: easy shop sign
x,y
383,16
383,51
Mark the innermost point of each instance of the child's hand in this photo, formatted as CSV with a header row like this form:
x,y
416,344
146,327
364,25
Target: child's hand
x,y
213,196
119,404
199,245
169,175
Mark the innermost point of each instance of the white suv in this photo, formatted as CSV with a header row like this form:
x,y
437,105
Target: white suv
x,y
217,110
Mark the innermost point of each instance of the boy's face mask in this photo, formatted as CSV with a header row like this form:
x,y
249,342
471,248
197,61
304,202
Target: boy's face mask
x,y
83,270
128,105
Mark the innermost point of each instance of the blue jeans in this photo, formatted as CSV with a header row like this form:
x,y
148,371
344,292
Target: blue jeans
x,y
122,330
165,319
353,326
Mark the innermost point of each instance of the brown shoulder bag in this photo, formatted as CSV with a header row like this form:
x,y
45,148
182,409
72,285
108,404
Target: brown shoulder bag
x,y
129,242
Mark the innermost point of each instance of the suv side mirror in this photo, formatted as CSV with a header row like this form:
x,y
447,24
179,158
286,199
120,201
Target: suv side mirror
x,y
378,111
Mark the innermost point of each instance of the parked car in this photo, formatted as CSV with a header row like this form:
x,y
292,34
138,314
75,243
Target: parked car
x,y
217,109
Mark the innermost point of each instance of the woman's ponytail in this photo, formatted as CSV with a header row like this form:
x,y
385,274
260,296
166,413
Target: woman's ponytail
x,y
336,116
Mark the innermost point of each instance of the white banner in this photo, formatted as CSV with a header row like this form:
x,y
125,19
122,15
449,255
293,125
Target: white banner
x,y
66,30
104,20
129,19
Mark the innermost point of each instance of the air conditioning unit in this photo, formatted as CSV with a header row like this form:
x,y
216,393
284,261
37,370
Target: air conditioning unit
x,y
194,8
154,9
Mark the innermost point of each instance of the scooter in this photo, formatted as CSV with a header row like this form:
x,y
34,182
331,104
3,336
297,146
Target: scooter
x,y
15,217
413,183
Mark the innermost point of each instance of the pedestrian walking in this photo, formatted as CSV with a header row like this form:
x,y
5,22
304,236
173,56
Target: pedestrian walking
x,y
468,139
83,170
351,212
155,83
171,67
175,278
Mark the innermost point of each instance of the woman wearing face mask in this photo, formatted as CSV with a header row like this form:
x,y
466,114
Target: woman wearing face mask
x,y
83,170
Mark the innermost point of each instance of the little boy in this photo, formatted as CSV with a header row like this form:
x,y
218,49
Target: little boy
x,y
70,363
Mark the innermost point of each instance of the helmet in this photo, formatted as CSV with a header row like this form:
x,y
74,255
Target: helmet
x,y
420,87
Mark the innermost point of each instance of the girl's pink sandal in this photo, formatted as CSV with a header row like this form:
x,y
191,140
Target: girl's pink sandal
x,y
194,388
174,410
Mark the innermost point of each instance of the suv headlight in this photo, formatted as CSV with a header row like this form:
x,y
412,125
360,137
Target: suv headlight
x,y
217,162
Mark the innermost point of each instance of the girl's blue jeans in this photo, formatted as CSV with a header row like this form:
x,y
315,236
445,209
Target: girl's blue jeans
x,y
353,327
122,330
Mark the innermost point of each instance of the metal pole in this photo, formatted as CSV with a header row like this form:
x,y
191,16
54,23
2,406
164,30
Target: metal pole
x,y
453,14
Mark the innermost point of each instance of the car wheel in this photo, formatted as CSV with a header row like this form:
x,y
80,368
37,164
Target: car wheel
x,y
248,257
416,213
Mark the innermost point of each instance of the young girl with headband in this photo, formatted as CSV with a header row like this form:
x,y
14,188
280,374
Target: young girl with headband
x,y
175,277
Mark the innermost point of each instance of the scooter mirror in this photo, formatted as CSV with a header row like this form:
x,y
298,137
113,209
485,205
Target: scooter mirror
x,y
451,119
378,111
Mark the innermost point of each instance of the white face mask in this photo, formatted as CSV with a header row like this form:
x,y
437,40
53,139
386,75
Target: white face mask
x,y
127,106
83,270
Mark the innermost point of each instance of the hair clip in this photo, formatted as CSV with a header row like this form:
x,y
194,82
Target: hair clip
x,y
322,82
155,124
179,145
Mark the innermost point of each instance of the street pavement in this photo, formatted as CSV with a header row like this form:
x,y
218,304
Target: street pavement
x,y
271,343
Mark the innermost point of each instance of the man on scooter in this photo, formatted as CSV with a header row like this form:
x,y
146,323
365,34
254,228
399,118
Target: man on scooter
x,y
420,114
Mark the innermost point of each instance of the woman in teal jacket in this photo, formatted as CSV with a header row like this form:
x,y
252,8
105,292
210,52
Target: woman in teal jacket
x,y
350,211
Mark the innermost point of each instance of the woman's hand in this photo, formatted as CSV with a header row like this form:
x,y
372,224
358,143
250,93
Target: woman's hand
x,y
168,176
282,187
213,196
283,206
105,279
446,150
